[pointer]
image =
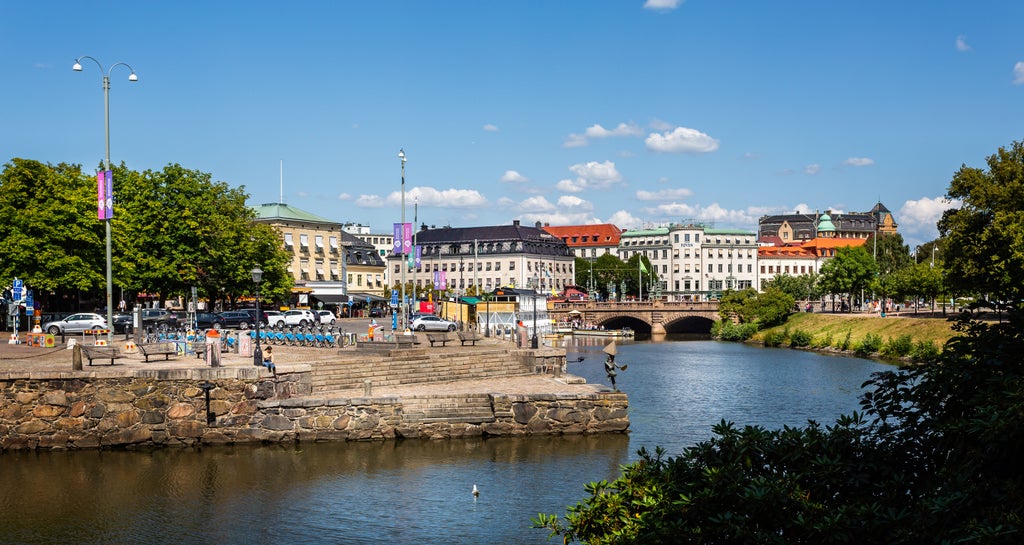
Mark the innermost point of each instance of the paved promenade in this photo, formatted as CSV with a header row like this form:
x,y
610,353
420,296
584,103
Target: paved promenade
x,y
21,360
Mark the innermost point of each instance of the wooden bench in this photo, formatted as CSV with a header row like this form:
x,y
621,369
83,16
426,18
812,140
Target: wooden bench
x,y
440,337
469,337
101,353
155,349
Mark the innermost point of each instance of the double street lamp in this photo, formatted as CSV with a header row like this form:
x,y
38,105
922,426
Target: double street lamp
x,y
106,129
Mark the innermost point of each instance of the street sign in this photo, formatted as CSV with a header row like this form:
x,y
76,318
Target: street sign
x,y
394,298
29,303
16,289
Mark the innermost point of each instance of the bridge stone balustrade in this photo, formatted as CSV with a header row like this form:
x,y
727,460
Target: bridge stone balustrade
x,y
654,317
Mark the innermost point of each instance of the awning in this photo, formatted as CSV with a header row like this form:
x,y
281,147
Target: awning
x,y
470,300
331,298
301,289
362,298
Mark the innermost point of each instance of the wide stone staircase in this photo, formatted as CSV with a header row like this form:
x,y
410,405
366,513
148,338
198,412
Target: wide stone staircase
x,y
413,366
465,408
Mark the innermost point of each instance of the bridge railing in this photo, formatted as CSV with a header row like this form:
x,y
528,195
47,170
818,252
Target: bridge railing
x,y
605,306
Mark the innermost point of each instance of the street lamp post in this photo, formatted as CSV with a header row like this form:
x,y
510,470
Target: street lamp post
x,y
533,340
106,130
402,314
257,353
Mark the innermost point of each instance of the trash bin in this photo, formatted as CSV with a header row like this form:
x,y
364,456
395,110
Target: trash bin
x,y
213,348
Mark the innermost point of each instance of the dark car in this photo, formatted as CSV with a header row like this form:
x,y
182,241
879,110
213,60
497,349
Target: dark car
x,y
209,320
238,319
124,323
376,312
264,319
159,318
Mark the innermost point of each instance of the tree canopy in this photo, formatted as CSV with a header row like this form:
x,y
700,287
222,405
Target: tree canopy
x,y
172,229
848,273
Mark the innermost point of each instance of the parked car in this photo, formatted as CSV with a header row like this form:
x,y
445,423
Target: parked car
x,y
238,319
159,318
273,317
76,323
433,323
209,320
299,317
326,317
264,319
124,323
376,312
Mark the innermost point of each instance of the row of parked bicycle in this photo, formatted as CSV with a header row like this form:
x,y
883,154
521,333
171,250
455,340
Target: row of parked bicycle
x,y
313,336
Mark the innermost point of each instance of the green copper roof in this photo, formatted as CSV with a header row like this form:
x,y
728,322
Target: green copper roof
x,y
284,212
728,232
825,224
646,232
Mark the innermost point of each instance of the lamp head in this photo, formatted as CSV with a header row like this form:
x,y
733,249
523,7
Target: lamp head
x,y
133,77
77,67
257,274
401,155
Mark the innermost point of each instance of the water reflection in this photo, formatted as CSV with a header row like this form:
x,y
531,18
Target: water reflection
x,y
415,491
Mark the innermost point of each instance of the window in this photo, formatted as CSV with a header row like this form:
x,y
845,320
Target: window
x,y
511,265
304,241
319,241
333,240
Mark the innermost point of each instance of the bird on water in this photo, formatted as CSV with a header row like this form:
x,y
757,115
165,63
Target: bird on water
x,y
476,492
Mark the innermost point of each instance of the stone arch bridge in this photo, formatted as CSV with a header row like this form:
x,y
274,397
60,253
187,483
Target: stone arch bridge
x,y
643,317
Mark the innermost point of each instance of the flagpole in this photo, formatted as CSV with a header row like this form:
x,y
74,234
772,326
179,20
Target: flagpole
x,y
640,276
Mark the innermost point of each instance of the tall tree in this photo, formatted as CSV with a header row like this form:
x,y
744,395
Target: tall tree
x,y
848,273
50,235
890,252
984,236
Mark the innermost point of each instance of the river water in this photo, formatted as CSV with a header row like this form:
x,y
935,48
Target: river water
x,y
416,491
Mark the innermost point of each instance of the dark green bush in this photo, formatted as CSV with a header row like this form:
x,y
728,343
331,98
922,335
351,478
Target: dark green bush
x,y
728,331
898,347
925,351
774,338
800,338
844,344
869,345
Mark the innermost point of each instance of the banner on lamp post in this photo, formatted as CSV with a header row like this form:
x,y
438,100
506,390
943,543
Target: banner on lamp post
x,y
419,254
109,195
101,195
398,239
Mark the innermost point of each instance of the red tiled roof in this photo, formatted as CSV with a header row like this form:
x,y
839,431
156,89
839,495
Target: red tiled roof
x,y
598,234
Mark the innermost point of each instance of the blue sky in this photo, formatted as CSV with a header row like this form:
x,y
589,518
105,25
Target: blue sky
x,y
566,112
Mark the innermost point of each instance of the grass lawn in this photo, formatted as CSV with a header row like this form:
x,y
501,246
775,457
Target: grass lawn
x,y
937,330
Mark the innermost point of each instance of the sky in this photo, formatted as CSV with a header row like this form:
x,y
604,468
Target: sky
x,y
638,113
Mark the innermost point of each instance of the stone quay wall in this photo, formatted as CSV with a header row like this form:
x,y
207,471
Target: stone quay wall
x,y
169,408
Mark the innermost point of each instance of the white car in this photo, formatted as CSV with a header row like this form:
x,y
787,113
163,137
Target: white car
x,y
297,317
76,323
432,323
326,317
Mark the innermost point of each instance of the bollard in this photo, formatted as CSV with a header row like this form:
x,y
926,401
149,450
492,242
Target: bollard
x,y
367,388
211,419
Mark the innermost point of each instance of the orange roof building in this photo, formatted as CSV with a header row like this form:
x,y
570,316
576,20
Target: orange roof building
x,y
588,241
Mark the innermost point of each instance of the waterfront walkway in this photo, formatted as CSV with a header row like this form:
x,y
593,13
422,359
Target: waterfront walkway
x,y
23,362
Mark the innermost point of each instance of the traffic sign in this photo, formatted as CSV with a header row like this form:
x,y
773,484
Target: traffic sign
x,y
16,289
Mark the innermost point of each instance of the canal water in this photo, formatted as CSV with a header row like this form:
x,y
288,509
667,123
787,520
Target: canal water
x,y
416,491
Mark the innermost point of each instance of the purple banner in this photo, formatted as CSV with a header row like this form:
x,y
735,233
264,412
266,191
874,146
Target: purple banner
x,y
398,239
110,195
444,280
101,192
419,254
437,280
407,238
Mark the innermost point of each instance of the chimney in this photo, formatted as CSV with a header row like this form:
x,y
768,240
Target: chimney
x,y
515,223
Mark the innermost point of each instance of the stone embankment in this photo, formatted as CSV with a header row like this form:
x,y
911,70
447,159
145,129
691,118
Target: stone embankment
x,y
352,396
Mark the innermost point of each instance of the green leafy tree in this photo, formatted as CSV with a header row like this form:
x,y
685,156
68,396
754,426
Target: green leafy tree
x,y
984,236
50,236
890,252
633,275
734,303
848,273
802,287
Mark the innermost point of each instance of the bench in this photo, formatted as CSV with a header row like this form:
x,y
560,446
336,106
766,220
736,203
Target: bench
x,y
469,337
101,352
155,349
442,338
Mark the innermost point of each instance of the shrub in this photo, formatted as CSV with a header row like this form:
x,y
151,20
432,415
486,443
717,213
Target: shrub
x,y
774,338
729,331
898,347
869,345
844,345
822,342
925,351
800,338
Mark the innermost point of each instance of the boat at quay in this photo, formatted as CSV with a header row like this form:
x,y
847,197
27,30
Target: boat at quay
x,y
623,333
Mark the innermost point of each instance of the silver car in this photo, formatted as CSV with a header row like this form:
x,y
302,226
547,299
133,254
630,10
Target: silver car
x,y
432,323
76,323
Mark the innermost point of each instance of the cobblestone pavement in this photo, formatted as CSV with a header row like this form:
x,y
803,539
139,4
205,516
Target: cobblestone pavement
x,y
22,358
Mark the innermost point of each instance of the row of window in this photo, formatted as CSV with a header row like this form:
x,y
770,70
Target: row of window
x,y
318,241
778,269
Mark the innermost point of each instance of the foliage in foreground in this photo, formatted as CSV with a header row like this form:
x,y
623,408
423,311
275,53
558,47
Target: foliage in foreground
x,y
934,458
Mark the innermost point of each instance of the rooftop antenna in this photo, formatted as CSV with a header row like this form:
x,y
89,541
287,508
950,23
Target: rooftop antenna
x,y
280,195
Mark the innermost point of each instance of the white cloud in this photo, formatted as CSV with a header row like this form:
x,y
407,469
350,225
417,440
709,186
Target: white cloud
x,y
662,4
302,194
575,141
812,169
681,140
344,197
570,210
624,220
512,176
598,131
961,43
917,219
1018,73
592,175
859,162
664,194
427,196
490,127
